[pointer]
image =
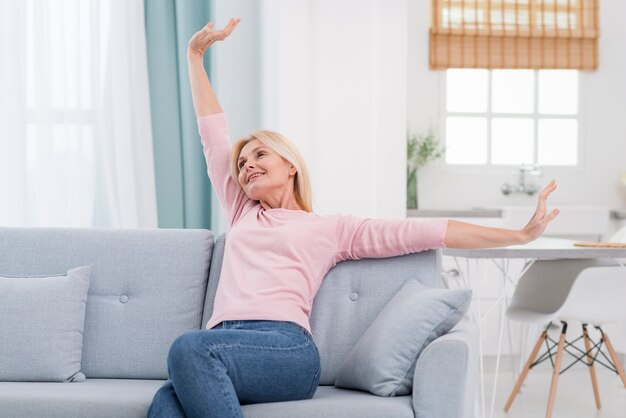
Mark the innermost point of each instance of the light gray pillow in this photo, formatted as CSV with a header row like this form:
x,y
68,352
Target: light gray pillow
x,y
41,326
383,360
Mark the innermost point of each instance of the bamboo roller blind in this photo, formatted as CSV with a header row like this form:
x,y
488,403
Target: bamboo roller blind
x,y
537,34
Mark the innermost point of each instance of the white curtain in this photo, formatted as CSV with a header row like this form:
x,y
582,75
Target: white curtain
x,y
75,134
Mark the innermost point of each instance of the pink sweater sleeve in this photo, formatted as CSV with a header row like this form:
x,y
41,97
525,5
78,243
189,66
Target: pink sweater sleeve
x,y
377,238
216,148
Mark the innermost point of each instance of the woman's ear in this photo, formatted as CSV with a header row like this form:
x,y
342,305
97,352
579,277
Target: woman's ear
x,y
292,170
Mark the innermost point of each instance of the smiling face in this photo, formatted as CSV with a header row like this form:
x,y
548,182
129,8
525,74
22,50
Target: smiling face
x,y
263,174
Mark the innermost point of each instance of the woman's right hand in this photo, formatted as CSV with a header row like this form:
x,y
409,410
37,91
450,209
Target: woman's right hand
x,y
204,38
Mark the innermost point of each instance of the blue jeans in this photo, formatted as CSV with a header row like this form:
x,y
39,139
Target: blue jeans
x,y
213,372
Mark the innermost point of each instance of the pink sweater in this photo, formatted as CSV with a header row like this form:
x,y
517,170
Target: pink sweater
x,y
275,259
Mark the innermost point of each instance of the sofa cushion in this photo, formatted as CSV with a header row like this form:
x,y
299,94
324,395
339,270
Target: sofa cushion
x,y
215,270
128,398
41,326
93,398
383,360
336,403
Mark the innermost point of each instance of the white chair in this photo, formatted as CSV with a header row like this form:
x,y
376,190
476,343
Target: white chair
x,y
587,291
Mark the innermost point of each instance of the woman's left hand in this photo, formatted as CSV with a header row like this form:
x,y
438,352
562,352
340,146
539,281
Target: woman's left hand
x,y
540,220
206,37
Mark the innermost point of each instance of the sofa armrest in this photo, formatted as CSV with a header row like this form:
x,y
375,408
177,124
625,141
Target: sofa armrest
x,y
446,375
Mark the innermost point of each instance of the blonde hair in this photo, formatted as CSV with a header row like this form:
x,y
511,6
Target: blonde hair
x,y
286,149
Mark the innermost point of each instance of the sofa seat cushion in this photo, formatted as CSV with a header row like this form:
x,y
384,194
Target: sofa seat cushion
x,y
123,398
336,403
95,398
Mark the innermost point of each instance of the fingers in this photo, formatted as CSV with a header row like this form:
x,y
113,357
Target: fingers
x,y
543,196
537,229
549,218
228,29
550,187
553,214
540,212
204,33
218,35
206,29
232,24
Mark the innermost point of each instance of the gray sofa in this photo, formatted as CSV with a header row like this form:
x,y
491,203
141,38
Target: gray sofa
x,y
150,286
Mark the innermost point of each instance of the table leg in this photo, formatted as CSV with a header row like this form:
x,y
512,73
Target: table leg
x,y
499,349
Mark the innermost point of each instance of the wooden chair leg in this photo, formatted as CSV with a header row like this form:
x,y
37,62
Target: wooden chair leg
x,y
556,372
524,372
592,368
615,358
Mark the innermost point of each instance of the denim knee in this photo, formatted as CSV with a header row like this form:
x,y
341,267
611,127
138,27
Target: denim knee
x,y
182,351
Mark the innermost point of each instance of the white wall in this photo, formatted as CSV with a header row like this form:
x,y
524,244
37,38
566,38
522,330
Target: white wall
x,y
602,104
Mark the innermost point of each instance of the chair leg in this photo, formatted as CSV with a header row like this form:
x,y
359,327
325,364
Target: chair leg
x,y
524,372
592,368
556,371
614,357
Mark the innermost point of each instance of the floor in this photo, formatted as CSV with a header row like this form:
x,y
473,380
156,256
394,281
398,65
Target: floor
x,y
574,397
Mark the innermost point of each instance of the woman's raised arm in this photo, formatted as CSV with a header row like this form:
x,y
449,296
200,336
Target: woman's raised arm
x,y
465,235
212,124
204,99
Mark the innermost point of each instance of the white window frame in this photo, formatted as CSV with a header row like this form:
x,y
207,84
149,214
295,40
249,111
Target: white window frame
x,y
535,115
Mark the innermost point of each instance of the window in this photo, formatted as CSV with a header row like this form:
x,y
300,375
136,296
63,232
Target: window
x,y
512,117
62,73
74,124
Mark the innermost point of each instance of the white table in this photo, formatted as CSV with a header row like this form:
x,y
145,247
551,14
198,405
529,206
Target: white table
x,y
541,249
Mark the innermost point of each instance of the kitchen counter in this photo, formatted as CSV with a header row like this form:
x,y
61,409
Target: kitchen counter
x,y
478,213
447,213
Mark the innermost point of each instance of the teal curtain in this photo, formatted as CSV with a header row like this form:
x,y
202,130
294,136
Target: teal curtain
x,y
183,188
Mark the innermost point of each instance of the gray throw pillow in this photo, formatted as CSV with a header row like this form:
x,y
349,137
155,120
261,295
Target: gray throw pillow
x,y
41,326
383,360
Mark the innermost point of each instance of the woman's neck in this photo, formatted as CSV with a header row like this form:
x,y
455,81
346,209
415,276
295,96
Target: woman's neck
x,y
291,205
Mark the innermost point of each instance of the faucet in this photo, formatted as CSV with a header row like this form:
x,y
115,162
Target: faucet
x,y
521,186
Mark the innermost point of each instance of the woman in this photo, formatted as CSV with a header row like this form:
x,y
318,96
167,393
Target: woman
x,y
257,346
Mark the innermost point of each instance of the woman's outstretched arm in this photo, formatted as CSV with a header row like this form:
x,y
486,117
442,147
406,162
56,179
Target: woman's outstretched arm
x,y
372,238
465,235
204,100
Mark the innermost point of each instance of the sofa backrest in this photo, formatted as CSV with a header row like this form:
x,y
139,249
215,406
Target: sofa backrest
x,y
354,292
350,297
147,288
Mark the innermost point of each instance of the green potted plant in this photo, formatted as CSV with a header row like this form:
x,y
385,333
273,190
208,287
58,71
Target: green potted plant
x,y
420,150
